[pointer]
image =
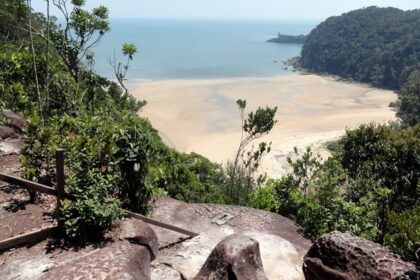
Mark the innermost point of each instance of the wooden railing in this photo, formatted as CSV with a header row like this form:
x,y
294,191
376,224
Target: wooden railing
x,y
60,194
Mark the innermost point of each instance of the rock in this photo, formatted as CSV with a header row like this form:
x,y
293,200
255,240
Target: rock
x,y
281,244
163,271
342,256
15,120
121,260
236,257
7,132
136,245
138,232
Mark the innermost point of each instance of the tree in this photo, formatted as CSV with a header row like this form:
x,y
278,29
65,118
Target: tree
x,y
257,124
120,69
12,14
408,105
82,30
34,60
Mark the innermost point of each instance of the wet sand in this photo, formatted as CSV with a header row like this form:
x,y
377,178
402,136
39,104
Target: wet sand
x,y
202,116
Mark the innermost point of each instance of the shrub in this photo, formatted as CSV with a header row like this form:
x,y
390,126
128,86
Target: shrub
x,y
404,234
106,161
264,198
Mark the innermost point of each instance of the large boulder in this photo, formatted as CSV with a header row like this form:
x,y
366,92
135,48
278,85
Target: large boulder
x,y
15,120
341,256
236,257
129,257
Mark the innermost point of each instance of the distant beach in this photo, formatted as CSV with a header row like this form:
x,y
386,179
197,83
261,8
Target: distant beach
x,y
201,115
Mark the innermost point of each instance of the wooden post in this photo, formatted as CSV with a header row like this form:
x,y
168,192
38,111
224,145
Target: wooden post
x,y
59,165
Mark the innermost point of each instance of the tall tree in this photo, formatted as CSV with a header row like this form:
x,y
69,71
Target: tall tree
x,y
34,60
256,125
82,30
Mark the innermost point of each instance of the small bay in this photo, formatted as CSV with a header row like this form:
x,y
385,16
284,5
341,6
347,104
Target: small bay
x,y
200,49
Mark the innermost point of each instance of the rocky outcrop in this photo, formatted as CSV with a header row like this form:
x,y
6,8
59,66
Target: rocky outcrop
x,y
281,244
236,257
15,120
341,256
129,257
7,132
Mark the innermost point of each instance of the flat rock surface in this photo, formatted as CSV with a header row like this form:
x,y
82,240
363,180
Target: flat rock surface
x,y
282,246
120,260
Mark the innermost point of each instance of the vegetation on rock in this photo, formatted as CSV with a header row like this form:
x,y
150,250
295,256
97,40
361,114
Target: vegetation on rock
x,y
288,39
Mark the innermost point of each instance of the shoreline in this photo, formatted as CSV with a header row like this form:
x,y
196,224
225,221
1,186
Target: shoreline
x,y
201,115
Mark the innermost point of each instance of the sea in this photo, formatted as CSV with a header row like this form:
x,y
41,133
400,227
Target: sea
x,y
199,49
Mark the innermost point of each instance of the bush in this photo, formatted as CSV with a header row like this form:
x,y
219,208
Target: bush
x,y
376,156
264,198
106,161
404,234
369,188
188,177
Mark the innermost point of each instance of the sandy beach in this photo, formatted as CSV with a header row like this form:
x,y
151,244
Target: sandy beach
x,y
201,115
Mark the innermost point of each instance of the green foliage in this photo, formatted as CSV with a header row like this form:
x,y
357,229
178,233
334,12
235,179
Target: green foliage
x,y
404,234
82,30
312,197
241,174
288,39
334,146
120,69
372,45
188,177
12,14
370,187
134,152
16,90
129,50
376,156
264,198
408,105
259,122
113,158
303,168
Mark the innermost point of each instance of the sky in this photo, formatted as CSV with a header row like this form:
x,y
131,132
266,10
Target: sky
x,y
236,9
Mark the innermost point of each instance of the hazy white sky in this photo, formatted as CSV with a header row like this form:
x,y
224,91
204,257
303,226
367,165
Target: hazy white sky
x,y
236,9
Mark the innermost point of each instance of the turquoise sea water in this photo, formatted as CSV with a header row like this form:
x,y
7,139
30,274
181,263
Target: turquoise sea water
x,y
200,49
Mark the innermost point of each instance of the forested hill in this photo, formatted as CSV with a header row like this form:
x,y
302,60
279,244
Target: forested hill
x,y
375,45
